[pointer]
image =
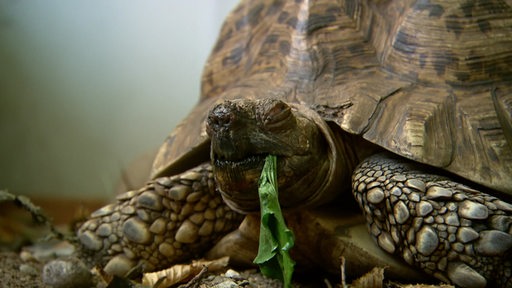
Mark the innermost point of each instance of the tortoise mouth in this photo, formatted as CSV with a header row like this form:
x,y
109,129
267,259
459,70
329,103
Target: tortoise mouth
x,y
250,161
237,179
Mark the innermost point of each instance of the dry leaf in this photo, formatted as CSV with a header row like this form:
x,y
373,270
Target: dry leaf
x,y
182,272
372,279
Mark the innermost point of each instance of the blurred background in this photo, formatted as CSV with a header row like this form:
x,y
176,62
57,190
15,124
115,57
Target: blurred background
x,y
87,88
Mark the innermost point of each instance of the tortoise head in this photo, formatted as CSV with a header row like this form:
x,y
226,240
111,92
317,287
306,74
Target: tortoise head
x,y
243,132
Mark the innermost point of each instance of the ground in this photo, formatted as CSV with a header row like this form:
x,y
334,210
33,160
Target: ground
x,y
27,245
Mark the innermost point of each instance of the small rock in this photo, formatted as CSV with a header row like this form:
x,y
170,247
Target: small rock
x,y
226,284
28,269
63,273
232,274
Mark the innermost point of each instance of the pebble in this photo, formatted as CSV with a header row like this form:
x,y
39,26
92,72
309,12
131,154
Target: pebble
x,y
226,284
64,273
232,274
28,269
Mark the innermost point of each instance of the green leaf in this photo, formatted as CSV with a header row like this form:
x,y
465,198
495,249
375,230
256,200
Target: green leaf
x,y
276,239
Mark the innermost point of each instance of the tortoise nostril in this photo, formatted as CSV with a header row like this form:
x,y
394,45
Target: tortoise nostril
x,y
220,117
223,120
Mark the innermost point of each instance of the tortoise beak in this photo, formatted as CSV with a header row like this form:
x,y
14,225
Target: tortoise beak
x,y
237,165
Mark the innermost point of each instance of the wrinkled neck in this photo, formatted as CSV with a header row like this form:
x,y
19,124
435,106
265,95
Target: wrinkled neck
x,y
334,173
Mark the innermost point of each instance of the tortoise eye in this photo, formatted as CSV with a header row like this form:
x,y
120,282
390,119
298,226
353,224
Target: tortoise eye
x,y
276,115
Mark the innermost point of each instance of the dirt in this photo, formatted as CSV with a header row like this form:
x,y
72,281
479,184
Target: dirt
x,y
18,273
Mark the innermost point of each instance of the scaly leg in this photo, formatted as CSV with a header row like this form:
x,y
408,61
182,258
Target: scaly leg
x,y
449,230
169,220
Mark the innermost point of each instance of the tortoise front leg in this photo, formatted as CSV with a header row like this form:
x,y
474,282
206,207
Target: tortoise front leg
x,y
449,230
169,220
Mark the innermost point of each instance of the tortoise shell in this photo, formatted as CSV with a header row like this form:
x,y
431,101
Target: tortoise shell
x,y
428,80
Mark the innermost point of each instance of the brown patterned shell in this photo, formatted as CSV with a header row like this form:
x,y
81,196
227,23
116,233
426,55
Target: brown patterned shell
x,y
429,80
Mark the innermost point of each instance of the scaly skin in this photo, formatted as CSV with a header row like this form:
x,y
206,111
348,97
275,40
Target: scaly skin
x,y
449,230
169,220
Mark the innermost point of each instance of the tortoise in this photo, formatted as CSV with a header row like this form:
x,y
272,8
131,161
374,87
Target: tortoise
x,y
408,104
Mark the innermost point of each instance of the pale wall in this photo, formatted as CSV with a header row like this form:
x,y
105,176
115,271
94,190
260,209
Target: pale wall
x,y
87,86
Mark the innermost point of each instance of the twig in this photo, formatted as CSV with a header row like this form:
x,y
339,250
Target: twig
x,y
342,268
194,282
35,211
